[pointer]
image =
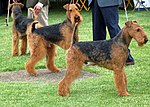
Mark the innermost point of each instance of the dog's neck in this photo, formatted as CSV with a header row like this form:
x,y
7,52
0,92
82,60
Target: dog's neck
x,y
123,37
69,23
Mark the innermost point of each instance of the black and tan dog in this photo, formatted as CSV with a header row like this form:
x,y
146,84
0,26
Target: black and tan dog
x,y
19,27
42,41
110,54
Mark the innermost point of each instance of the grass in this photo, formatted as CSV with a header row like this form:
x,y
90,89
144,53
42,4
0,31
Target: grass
x,y
95,92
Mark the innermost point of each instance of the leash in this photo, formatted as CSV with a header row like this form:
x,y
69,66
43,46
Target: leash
x,y
7,18
74,33
125,9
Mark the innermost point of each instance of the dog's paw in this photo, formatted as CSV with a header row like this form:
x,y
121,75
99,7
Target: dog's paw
x,y
14,54
32,74
124,94
63,90
57,70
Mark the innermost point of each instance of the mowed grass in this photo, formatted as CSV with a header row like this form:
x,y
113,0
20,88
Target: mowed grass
x,y
94,92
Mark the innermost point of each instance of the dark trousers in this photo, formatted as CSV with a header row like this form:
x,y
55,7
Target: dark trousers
x,y
103,17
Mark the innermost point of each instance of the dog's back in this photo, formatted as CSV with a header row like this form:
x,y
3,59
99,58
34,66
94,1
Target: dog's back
x,y
51,33
96,50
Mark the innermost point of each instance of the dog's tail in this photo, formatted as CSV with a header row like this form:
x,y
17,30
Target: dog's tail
x,y
34,25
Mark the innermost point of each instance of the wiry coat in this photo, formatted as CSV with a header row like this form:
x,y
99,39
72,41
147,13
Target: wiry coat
x,y
19,28
102,52
57,32
110,54
20,21
42,40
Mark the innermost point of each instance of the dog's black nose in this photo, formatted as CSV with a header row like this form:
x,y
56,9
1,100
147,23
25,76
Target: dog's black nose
x,y
77,18
146,40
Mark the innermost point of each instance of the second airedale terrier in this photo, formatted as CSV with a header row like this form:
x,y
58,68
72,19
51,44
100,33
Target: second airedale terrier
x,y
110,54
42,41
19,27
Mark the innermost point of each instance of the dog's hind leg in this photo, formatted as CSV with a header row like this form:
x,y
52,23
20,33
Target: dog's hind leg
x,y
120,82
15,42
23,45
50,56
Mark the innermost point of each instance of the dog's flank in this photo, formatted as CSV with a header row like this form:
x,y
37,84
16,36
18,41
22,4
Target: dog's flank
x,y
96,51
54,33
50,33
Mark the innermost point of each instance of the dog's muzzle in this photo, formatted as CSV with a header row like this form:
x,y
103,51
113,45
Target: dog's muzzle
x,y
77,18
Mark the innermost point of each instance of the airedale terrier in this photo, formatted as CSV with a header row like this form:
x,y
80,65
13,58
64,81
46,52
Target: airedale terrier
x,y
19,28
42,40
110,54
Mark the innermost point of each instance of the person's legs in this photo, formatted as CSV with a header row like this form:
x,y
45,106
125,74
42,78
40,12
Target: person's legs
x,y
99,27
111,19
130,59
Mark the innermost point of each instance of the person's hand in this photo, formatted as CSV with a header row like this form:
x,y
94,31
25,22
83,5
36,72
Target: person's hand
x,y
38,7
15,0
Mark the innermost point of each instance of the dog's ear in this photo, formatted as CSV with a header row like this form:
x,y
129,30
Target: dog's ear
x,y
21,5
135,21
66,6
78,5
128,23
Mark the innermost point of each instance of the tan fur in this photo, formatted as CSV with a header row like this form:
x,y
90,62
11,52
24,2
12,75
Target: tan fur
x,y
115,61
39,48
16,36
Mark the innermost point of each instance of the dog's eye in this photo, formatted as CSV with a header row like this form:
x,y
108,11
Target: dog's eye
x,y
70,10
138,30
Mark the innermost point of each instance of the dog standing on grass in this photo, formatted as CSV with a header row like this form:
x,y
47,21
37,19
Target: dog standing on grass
x,y
19,27
110,54
42,41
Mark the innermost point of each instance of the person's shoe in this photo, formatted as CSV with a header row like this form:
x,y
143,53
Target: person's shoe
x,y
89,64
130,60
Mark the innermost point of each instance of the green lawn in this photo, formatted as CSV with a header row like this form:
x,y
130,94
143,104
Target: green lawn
x,y
94,92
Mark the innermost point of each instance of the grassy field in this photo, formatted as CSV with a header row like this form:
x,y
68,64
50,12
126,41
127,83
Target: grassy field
x,y
95,92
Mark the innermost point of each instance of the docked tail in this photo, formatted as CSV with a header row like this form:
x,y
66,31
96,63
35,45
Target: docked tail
x,y
34,25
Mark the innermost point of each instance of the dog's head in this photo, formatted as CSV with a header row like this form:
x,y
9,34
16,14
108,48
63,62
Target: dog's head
x,y
72,13
137,32
11,6
15,8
